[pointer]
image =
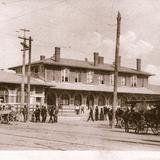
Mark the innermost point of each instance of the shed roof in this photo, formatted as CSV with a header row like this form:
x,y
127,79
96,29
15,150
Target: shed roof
x,y
13,78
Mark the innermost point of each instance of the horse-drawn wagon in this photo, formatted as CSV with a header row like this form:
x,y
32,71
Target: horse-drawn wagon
x,y
8,114
141,119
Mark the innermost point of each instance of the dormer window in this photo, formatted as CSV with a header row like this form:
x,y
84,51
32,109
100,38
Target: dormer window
x,y
65,75
134,81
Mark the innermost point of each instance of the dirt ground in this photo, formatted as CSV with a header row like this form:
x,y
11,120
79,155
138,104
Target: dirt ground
x,y
73,134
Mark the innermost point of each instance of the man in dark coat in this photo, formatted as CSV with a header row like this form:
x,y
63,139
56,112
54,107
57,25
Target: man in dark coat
x,y
37,113
44,113
51,112
110,115
96,113
25,113
90,114
101,115
56,115
105,112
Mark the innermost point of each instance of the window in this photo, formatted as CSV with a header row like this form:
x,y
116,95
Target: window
x,y
38,99
3,95
54,75
123,81
39,90
111,80
65,75
78,77
143,82
134,81
100,79
36,69
90,77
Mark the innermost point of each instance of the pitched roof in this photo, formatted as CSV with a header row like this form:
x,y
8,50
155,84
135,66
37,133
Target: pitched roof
x,y
87,65
101,87
13,78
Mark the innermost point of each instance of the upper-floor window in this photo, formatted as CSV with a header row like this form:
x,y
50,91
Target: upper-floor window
x,y
100,79
143,82
134,81
123,81
78,77
65,75
90,77
111,79
54,75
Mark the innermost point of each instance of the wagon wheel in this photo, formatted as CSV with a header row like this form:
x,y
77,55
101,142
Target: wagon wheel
x,y
0,118
142,127
155,128
122,124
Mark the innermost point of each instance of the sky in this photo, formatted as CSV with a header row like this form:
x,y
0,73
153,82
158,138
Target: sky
x,y
82,27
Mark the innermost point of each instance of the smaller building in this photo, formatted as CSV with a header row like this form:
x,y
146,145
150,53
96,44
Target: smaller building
x,y
10,89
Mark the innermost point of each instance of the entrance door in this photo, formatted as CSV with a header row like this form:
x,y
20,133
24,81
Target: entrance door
x,y
51,99
90,101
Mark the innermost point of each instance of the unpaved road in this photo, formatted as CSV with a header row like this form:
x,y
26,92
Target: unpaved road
x,y
70,134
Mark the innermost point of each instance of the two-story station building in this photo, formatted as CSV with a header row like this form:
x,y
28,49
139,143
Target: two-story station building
x,y
88,83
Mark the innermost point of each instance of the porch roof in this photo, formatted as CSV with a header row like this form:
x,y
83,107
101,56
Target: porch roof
x,y
13,78
101,87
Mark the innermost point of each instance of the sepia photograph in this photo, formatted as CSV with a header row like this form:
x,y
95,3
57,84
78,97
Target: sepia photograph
x,y
80,78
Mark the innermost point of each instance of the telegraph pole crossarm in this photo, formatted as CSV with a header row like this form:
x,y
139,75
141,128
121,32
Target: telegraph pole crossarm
x,y
116,69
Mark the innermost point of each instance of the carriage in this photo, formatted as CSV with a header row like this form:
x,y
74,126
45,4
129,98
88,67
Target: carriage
x,y
8,114
142,118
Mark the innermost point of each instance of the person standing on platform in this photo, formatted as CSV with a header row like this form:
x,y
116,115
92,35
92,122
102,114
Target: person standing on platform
x,y
51,112
90,114
25,113
37,113
101,114
105,109
56,115
110,115
77,108
96,113
44,113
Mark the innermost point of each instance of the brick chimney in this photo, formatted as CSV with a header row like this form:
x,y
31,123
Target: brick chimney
x,y
57,54
42,57
138,64
95,54
86,60
100,60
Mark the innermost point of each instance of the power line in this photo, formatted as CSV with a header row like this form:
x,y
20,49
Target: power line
x,y
89,16
32,11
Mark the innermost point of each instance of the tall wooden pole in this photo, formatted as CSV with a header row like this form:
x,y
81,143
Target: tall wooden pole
x,y
116,68
23,66
29,75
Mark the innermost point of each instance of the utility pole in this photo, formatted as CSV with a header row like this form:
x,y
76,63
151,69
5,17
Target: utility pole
x,y
116,68
29,72
23,65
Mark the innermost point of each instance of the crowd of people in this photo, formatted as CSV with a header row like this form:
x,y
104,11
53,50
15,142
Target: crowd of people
x,y
101,114
40,114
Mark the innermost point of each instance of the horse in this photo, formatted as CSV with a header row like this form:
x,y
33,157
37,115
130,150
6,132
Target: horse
x,y
118,116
